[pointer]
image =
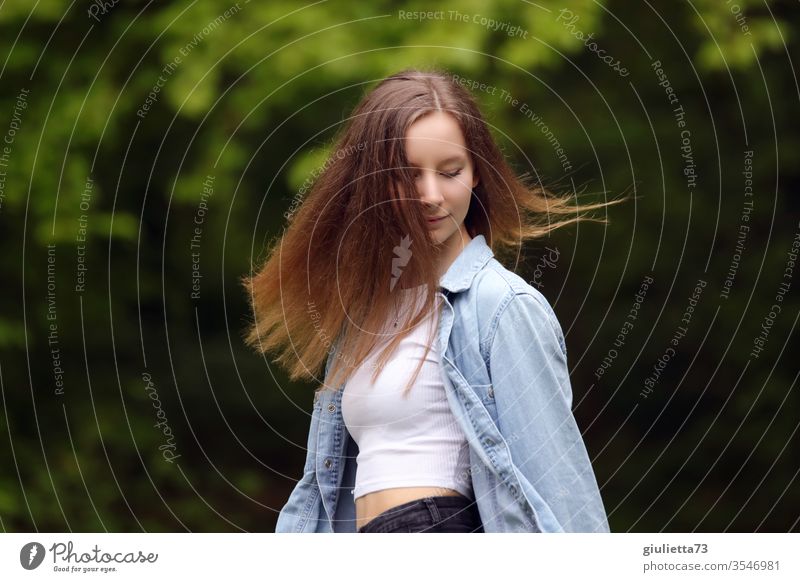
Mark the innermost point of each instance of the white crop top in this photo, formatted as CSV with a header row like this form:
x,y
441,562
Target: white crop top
x,y
411,441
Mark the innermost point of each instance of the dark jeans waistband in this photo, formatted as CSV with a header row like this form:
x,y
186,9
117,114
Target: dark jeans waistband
x,y
441,513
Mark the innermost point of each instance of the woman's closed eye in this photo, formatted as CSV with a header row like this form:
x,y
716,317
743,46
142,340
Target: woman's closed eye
x,y
453,174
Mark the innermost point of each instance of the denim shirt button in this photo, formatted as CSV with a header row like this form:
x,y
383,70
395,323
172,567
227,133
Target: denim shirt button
x,y
328,463
331,408
488,442
491,391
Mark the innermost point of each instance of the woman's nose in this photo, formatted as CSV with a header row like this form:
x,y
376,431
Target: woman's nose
x,y
429,192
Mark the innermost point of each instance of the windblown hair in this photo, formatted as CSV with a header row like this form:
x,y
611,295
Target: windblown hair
x,y
334,273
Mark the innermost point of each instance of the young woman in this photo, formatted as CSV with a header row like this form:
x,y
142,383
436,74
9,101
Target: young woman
x,y
445,404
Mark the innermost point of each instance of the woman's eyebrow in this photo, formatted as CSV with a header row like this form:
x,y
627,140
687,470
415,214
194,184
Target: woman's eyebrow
x,y
456,158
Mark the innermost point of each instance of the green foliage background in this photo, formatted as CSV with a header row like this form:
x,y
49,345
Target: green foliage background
x,y
254,102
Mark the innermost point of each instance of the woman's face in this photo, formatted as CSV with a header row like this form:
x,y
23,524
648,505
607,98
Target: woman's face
x,y
444,175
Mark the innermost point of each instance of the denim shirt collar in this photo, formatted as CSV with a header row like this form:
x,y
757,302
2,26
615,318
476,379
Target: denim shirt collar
x,y
462,271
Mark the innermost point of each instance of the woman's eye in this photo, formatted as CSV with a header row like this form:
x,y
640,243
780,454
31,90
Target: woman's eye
x,y
418,175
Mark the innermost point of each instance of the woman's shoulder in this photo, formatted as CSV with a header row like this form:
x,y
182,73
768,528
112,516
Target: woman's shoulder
x,y
505,300
495,286
501,299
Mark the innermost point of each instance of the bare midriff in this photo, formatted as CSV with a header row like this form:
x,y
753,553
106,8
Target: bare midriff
x,y
372,504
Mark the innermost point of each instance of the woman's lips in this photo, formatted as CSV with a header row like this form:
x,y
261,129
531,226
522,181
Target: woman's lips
x,y
437,220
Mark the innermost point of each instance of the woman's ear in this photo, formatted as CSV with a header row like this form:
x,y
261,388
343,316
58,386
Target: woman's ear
x,y
475,180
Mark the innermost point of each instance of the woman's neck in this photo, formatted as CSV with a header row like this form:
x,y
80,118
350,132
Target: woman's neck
x,y
451,248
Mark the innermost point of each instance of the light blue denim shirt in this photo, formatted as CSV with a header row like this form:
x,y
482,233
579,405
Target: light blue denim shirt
x,y
505,373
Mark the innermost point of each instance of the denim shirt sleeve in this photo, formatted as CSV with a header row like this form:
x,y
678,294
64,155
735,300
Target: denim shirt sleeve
x,y
529,373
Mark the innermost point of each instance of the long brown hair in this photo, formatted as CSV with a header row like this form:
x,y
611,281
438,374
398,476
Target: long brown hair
x,y
356,237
